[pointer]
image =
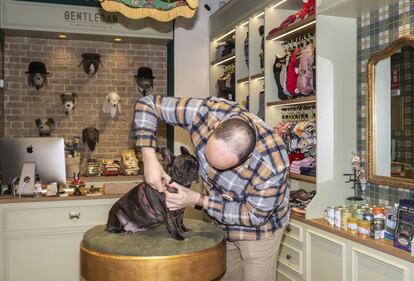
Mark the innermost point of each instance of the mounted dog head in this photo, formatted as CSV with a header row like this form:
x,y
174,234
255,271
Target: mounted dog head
x,y
112,104
91,137
44,126
37,74
182,169
90,63
69,100
144,79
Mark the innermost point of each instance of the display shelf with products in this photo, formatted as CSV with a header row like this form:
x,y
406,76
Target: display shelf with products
x,y
301,100
302,178
297,29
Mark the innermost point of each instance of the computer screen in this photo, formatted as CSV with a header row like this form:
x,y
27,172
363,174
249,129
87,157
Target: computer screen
x,y
48,154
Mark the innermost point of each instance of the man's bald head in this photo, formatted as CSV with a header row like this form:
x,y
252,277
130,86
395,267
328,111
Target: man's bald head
x,y
231,144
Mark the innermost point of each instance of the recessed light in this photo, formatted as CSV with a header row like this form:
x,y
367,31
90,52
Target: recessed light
x,y
118,39
62,36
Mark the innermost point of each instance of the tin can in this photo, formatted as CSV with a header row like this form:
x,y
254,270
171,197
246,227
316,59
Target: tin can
x,y
358,213
344,219
331,215
378,211
364,228
352,225
368,216
377,228
338,214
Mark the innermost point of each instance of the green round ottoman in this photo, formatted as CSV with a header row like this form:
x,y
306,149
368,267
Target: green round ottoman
x,y
153,254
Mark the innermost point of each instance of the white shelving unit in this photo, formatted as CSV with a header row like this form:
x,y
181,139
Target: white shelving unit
x,y
335,80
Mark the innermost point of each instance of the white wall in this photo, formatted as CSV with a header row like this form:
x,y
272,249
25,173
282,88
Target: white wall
x,y
191,59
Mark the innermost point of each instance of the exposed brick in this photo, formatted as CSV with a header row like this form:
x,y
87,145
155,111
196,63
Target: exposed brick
x,y
23,104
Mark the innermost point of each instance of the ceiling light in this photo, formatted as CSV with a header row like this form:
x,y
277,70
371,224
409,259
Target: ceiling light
x,y
118,39
62,36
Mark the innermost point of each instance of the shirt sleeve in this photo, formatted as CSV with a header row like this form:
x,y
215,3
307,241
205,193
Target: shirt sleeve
x,y
150,109
259,205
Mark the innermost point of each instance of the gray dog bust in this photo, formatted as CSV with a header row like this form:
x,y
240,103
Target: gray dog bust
x,y
143,207
69,100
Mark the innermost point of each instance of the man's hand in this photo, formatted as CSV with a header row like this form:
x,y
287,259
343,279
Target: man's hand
x,y
184,197
153,172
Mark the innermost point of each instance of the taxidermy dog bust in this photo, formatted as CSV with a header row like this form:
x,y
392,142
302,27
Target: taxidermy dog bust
x,y
69,100
143,207
44,126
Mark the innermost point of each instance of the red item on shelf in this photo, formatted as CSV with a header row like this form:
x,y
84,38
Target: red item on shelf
x,y
292,74
296,157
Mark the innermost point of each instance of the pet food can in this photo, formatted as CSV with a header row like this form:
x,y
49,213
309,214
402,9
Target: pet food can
x,y
368,216
331,215
352,225
377,228
338,216
379,212
358,213
364,228
344,218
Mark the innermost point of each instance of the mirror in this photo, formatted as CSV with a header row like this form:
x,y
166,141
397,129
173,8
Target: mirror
x,y
390,109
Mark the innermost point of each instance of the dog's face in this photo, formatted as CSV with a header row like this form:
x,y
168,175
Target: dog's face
x,y
182,169
37,80
112,104
44,126
90,63
68,100
145,83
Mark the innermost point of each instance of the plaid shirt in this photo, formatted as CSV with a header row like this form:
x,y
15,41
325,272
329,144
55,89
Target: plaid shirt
x,y
251,200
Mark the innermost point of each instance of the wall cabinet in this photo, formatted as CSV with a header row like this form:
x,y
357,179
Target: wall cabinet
x,y
40,240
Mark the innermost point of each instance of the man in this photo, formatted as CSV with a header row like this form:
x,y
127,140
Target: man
x,y
243,166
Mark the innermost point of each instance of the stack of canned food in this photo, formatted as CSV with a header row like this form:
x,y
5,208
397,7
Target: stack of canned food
x,y
365,221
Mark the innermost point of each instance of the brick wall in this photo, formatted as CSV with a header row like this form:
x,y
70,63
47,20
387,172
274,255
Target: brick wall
x,y
23,104
1,90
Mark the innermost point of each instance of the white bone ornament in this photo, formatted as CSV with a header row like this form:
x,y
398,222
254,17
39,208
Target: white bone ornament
x,y
112,104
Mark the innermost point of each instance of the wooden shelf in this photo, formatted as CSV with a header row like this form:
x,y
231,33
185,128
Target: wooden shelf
x,y
302,178
295,30
257,76
226,60
139,178
302,100
243,80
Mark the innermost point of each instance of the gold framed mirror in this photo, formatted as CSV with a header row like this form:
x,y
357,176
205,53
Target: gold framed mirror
x,y
390,115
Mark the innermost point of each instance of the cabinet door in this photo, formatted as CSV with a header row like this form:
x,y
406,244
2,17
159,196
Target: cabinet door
x,y
369,264
46,257
325,257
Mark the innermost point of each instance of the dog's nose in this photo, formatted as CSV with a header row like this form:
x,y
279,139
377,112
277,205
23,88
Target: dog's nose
x,y
68,105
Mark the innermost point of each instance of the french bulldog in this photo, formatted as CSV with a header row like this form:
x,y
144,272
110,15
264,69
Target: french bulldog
x,y
143,207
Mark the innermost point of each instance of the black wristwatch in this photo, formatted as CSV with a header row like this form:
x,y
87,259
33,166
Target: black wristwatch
x,y
200,203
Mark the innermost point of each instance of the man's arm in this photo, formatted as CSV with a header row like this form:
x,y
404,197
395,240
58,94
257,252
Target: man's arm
x,y
148,110
260,204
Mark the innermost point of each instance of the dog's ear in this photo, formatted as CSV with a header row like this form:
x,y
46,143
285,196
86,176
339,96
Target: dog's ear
x,y
75,96
38,122
62,97
50,122
184,150
97,135
167,156
84,135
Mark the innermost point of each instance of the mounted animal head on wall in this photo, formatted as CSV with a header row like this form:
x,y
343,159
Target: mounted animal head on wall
x,y
90,135
44,126
37,74
144,79
69,100
90,63
112,104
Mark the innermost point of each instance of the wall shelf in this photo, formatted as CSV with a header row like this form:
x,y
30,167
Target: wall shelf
x,y
226,60
303,100
243,80
302,178
295,30
257,76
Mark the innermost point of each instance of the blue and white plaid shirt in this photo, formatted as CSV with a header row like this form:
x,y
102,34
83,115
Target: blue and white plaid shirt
x,y
250,201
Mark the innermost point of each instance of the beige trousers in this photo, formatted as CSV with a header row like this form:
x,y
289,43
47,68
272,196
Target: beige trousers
x,y
253,260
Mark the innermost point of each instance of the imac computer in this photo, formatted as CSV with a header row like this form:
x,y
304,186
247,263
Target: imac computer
x,y
26,157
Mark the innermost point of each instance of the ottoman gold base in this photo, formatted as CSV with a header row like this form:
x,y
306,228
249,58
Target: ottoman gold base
x,y
208,264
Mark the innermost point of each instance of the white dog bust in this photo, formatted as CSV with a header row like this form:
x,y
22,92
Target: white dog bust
x,y
112,104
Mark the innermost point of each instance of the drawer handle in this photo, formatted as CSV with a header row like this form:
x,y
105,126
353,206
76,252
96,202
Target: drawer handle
x,y
74,215
288,257
288,229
